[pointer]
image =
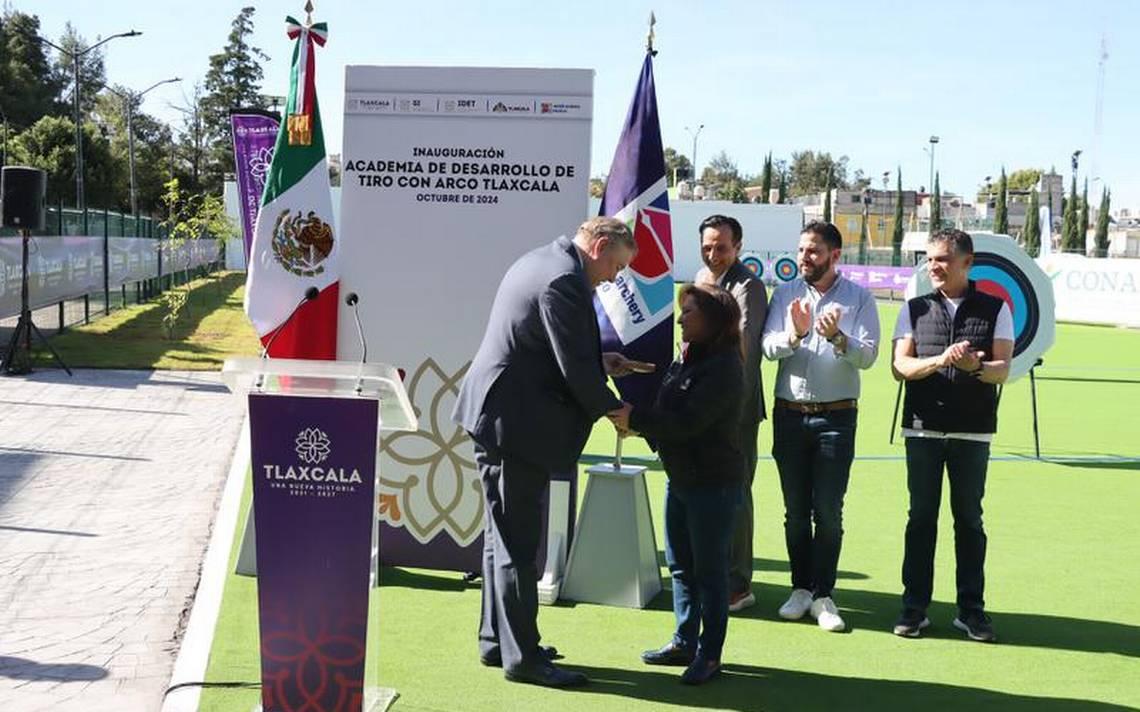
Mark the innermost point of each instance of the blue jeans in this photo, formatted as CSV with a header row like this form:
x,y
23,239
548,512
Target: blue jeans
x,y
965,462
813,453
698,535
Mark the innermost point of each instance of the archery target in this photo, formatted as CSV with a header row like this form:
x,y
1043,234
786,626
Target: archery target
x,y
1002,268
754,263
785,268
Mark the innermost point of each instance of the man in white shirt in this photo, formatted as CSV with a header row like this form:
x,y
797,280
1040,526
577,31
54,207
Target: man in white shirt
x,y
952,347
823,329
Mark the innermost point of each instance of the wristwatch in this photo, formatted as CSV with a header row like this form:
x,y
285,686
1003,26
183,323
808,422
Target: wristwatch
x,y
838,340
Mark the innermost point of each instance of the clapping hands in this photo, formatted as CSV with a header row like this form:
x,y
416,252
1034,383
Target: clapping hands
x,y
799,316
961,357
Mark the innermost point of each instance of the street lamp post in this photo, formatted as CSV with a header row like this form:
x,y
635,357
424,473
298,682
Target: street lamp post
x,y
696,134
75,56
933,143
131,98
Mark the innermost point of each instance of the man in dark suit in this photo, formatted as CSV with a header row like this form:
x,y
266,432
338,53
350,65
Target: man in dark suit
x,y
529,400
721,240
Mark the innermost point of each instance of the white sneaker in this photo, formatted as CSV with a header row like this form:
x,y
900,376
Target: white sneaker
x,y
797,605
825,612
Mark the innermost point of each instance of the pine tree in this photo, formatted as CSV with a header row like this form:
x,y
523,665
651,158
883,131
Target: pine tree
x,y
1069,239
897,236
1083,219
1001,212
782,192
827,201
766,179
936,207
1031,235
233,80
1102,224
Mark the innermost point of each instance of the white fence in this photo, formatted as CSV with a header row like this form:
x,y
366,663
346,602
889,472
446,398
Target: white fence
x,y
61,268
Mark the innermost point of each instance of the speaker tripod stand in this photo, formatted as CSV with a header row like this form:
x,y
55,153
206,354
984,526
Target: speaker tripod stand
x,y
18,356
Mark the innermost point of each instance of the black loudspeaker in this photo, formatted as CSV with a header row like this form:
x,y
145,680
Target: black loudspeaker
x,y
23,197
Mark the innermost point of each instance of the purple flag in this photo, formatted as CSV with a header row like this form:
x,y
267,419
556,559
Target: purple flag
x,y
255,134
635,313
314,468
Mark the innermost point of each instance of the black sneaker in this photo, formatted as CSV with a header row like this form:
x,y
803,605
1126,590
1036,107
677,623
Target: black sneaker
x,y
670,654
976,625
910,624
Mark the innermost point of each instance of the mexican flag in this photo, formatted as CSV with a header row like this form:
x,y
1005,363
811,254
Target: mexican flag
x,y
294,242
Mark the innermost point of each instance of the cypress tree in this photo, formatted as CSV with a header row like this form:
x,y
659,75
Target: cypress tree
x,y
827,200
1102,225
1001,212
936,207
782,191
897,236
1032,233
766,179
1083,219
1069,241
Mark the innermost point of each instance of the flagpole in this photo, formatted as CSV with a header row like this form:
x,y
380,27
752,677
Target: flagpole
x,y
617,453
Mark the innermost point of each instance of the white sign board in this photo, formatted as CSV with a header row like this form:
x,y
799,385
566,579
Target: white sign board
x,y
1094,291
450,175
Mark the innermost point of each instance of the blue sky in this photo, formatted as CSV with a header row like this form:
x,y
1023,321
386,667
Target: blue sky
x,y
1010,82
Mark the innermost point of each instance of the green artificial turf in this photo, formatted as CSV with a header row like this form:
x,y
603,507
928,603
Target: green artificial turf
x,y
1063,571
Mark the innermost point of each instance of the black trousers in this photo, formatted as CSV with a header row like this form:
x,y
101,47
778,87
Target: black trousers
x,y
965,463
512,527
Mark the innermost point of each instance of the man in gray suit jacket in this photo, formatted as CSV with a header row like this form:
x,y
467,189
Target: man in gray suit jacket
x,y
529,401
721,240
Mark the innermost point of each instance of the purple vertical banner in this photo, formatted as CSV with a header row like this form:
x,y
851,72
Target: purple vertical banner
x,y
314,465
255,134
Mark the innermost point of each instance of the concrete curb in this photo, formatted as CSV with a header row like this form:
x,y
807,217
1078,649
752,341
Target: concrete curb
x,y
194,653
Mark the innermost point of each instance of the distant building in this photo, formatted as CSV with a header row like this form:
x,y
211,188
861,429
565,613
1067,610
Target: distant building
x,y
847,213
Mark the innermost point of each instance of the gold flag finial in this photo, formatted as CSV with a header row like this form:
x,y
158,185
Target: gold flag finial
x,y
649,39
309,13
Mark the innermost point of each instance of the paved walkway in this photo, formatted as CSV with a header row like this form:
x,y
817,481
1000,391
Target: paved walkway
x,y
108,486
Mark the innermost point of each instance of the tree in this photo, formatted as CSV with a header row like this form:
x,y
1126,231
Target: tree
x,y
827,201
935,207
1102,220
863,237
49,144
781,194
152,150
1024,179
92,75
191,144
233,80
766,179
1001,212
897,235
812,172
1083,219
1031,235
677,165
1069,238
191,217
734,192
28,85
720,171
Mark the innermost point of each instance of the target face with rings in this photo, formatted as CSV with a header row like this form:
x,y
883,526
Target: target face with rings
x,y
785,268
1001,268
753,263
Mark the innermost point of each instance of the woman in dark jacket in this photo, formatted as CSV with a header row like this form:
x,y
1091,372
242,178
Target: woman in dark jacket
x,y
694,427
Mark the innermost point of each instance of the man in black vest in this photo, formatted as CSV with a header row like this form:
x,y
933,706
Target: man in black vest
x,y
953,347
